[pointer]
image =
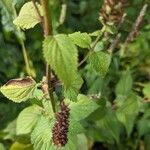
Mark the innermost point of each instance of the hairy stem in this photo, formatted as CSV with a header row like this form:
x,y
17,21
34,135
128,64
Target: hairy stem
x,y
47,27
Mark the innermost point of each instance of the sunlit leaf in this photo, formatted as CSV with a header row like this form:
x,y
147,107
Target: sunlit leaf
x,y
27,119
100,62
28,16
19,90
81,39
61,54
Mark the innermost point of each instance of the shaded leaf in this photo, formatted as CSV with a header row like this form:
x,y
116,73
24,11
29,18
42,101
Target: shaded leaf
x,y
124,86
109,126
127,111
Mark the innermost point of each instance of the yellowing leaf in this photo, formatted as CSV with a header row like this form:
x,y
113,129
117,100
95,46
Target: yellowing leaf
x,y
19,90
28,16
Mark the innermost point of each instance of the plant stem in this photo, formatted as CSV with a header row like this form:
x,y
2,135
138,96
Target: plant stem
x,y
92,47
47,27
24,51
136,26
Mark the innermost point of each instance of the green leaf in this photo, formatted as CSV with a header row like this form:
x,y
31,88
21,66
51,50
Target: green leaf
x,y
100,62
10,131
28,17
19,90
42,134
41,137
124,86
82,108
61,54
82,40
82,142
27,119
20,146
146,90
75,127
110,126
144,126
127,111
73,91
2,147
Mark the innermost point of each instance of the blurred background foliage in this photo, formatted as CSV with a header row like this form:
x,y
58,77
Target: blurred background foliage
x,y
126,85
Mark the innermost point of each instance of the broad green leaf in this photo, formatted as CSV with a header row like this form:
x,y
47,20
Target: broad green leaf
x,y
82,40
42,134
144,126
127,111
75,127
146,90
82,108
72,91
109,126
100,62
28,16
124,86
20,146
41,137
19,90
61,54
27,119
82,142
2,147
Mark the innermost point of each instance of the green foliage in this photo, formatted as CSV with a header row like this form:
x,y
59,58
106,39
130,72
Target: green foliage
x,y
80,39
27,119
146,90
100,62
19,90
61,54
124,86
107,96
73,91
28,17
84,105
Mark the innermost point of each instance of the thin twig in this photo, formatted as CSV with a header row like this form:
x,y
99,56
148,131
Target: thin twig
x,y
114,43
122,21
136,26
